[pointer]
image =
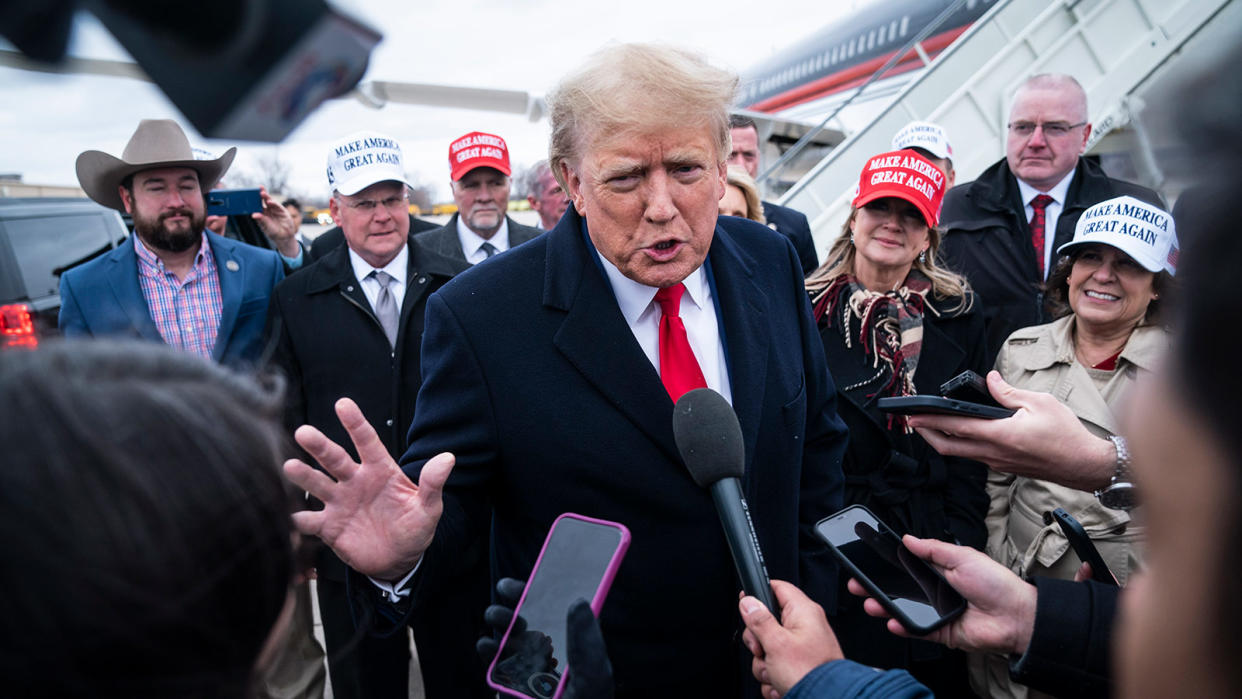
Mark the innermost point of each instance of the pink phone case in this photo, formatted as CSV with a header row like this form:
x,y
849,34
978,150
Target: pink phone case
x,y
597,602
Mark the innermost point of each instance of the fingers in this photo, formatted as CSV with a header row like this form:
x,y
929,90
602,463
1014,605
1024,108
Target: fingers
x,y
1084,572
308,522
367,443
509,590
586,653
752,644
1005,394
487,648
759,621
875,609
944,556
328,454
311,480
856,588
433,476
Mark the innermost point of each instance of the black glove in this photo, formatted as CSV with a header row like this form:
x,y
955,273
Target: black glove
x,y
585,652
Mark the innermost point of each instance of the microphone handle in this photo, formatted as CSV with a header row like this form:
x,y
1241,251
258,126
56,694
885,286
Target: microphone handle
x,y
740,533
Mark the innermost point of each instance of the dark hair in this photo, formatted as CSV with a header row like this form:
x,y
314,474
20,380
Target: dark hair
x,y
292,202
739,121
1056,290
1204,353
145,522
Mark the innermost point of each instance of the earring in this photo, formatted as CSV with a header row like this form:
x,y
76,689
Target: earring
x,y
851,238
923,257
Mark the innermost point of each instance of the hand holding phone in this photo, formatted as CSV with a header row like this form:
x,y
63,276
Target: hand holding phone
x,y
1082,545
905,585
579,559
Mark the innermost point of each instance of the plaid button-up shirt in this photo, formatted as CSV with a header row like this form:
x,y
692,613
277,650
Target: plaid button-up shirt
x,y
186,311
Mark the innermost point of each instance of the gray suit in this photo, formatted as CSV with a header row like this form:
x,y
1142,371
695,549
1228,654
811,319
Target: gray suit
x,y
444,239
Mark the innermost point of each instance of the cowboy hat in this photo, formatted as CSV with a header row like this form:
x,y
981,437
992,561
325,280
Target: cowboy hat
x,y
157,143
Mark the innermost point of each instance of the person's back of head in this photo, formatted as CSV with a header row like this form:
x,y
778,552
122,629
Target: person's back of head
x,y
145,521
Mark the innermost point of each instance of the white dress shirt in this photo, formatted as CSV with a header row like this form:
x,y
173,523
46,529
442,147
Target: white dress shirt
x,y
1051,213
396,268
472,243
698,314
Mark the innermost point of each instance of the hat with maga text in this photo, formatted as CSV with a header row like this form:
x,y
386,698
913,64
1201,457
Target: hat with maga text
x,y
478,149
926,135
361,159
906,175
1144,232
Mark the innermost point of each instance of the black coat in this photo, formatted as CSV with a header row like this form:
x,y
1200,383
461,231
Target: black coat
x,y
987,239
334,237
793,225
330,345
902,480
444,239
535,381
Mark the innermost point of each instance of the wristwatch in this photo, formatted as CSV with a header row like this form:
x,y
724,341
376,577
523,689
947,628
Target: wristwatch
x,y
1120,493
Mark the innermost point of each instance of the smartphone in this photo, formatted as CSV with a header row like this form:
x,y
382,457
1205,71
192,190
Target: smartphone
x,y
968,386
1082,545
939,405
579,560
907,587
232,202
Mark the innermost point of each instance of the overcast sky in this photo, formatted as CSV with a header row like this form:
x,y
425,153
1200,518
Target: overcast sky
x,y
46,120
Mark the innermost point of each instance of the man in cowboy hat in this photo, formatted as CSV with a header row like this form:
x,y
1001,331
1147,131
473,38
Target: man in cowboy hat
x,y
177,283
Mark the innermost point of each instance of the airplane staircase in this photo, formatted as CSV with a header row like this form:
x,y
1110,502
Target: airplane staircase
x,y
1110,46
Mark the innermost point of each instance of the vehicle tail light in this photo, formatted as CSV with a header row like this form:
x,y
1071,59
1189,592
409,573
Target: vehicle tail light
x,y
17,327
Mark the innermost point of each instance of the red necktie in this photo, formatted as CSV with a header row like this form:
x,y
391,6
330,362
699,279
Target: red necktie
x,y
679,370
1038,205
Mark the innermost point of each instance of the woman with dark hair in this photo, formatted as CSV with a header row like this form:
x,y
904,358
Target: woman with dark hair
x,y
1106,292
895,323
145,523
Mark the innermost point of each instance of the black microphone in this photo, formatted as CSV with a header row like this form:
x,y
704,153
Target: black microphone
x,y
710,441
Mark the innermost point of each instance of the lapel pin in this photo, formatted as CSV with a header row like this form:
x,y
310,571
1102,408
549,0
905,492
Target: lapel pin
x,y
232,265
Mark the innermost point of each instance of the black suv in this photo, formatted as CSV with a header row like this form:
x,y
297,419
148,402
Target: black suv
x,y
40,238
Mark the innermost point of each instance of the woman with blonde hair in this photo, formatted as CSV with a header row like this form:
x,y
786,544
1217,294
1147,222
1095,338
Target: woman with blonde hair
x,y
895,323
741,197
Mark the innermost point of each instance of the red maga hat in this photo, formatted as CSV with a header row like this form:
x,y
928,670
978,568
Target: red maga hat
x,y
906,175
478,149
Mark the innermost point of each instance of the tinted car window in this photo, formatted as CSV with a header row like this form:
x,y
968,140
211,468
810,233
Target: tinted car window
x,y
46,247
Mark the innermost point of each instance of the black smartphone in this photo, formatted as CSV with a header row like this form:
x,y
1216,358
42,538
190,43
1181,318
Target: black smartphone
x,y
579,559
908,588
939,405
1082,545
233,202
968,386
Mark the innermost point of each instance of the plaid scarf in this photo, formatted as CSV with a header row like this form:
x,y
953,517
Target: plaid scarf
x,y
890,330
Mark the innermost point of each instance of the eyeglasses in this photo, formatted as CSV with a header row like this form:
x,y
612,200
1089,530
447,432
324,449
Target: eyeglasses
x,y
367,206
1052,129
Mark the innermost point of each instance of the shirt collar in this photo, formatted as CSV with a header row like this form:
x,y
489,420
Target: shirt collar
x,y
149,260
1058,191
396,267
635,298
470,241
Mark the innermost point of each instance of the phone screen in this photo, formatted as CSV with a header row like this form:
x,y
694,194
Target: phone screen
x,y
912,587
578,561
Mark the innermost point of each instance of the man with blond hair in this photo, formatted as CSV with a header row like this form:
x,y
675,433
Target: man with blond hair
x,y
1000,230
550,376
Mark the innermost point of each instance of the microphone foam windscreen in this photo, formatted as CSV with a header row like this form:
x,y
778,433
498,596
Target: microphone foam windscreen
x,y
708,436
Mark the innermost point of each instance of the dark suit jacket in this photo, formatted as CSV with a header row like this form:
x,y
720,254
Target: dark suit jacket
x,y
104,297
987,239
532,377
794,225
331,345
334,237
444,239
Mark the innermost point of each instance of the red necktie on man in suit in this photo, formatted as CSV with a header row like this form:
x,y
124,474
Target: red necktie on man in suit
x,y
679,370
1038,206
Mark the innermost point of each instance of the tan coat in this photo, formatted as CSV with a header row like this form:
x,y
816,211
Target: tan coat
x,y
1042,358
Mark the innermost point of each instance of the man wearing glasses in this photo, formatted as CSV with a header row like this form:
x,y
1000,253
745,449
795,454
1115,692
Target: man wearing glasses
x,y
1001,230
351,325
479,175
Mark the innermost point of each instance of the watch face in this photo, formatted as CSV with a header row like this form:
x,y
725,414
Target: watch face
x,y
1119,496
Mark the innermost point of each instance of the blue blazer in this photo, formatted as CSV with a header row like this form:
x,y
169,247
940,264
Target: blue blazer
x,y
533,379
103,297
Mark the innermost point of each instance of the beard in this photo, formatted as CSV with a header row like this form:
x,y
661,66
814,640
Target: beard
x,y
156,233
